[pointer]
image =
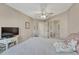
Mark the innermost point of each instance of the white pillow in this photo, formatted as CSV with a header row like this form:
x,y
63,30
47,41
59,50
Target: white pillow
x,y
72,44
60,47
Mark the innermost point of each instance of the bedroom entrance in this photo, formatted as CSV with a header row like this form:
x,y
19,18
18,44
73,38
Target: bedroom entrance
x,y
42,29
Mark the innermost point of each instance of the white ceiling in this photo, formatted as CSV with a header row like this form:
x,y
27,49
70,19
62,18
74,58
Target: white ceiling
x,y
31,9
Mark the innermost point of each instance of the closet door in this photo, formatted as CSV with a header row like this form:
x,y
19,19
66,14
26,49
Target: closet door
x,y
56,29
46,29
53,29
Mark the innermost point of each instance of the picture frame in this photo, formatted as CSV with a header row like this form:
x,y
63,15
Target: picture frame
x,y
27,25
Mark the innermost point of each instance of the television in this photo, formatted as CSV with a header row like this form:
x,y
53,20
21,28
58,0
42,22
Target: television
x,y
8,32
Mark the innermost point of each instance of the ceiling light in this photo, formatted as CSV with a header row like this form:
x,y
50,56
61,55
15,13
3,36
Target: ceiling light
x,y
43,16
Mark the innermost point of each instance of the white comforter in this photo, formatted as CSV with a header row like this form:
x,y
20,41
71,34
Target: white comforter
x,y
33,46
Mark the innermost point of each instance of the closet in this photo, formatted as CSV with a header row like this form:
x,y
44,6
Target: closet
x,y
54,29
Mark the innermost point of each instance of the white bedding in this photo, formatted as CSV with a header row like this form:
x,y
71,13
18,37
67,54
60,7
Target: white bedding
x,y
62,47
34,46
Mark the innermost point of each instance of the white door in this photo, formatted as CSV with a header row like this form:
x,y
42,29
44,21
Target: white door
x,y
56,29
41,29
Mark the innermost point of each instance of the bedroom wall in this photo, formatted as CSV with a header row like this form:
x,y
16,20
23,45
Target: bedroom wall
x,y
73,21
10,17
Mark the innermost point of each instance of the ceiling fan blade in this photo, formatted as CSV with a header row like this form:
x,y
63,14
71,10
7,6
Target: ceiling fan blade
x,y
50,13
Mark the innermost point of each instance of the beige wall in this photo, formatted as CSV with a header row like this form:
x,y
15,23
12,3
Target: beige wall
x,y
12,18
73,21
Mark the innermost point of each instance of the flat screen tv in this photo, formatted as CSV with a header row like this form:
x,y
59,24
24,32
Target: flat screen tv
x,y
9,31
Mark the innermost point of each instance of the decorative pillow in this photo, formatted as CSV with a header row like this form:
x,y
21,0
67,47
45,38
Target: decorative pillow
x,y
74,36
72,44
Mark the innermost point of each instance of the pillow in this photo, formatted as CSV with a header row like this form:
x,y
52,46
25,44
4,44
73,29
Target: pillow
x,y
77,49
61,47
72,44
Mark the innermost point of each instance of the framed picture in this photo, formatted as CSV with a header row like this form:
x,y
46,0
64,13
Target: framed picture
x,y
27,25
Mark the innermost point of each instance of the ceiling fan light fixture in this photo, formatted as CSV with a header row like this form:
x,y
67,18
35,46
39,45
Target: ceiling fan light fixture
x,y
43,16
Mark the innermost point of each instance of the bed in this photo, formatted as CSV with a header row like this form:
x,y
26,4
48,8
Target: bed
x,y
35,46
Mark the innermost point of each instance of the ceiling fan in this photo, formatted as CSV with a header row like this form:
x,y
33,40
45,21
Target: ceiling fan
x,y
44,14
